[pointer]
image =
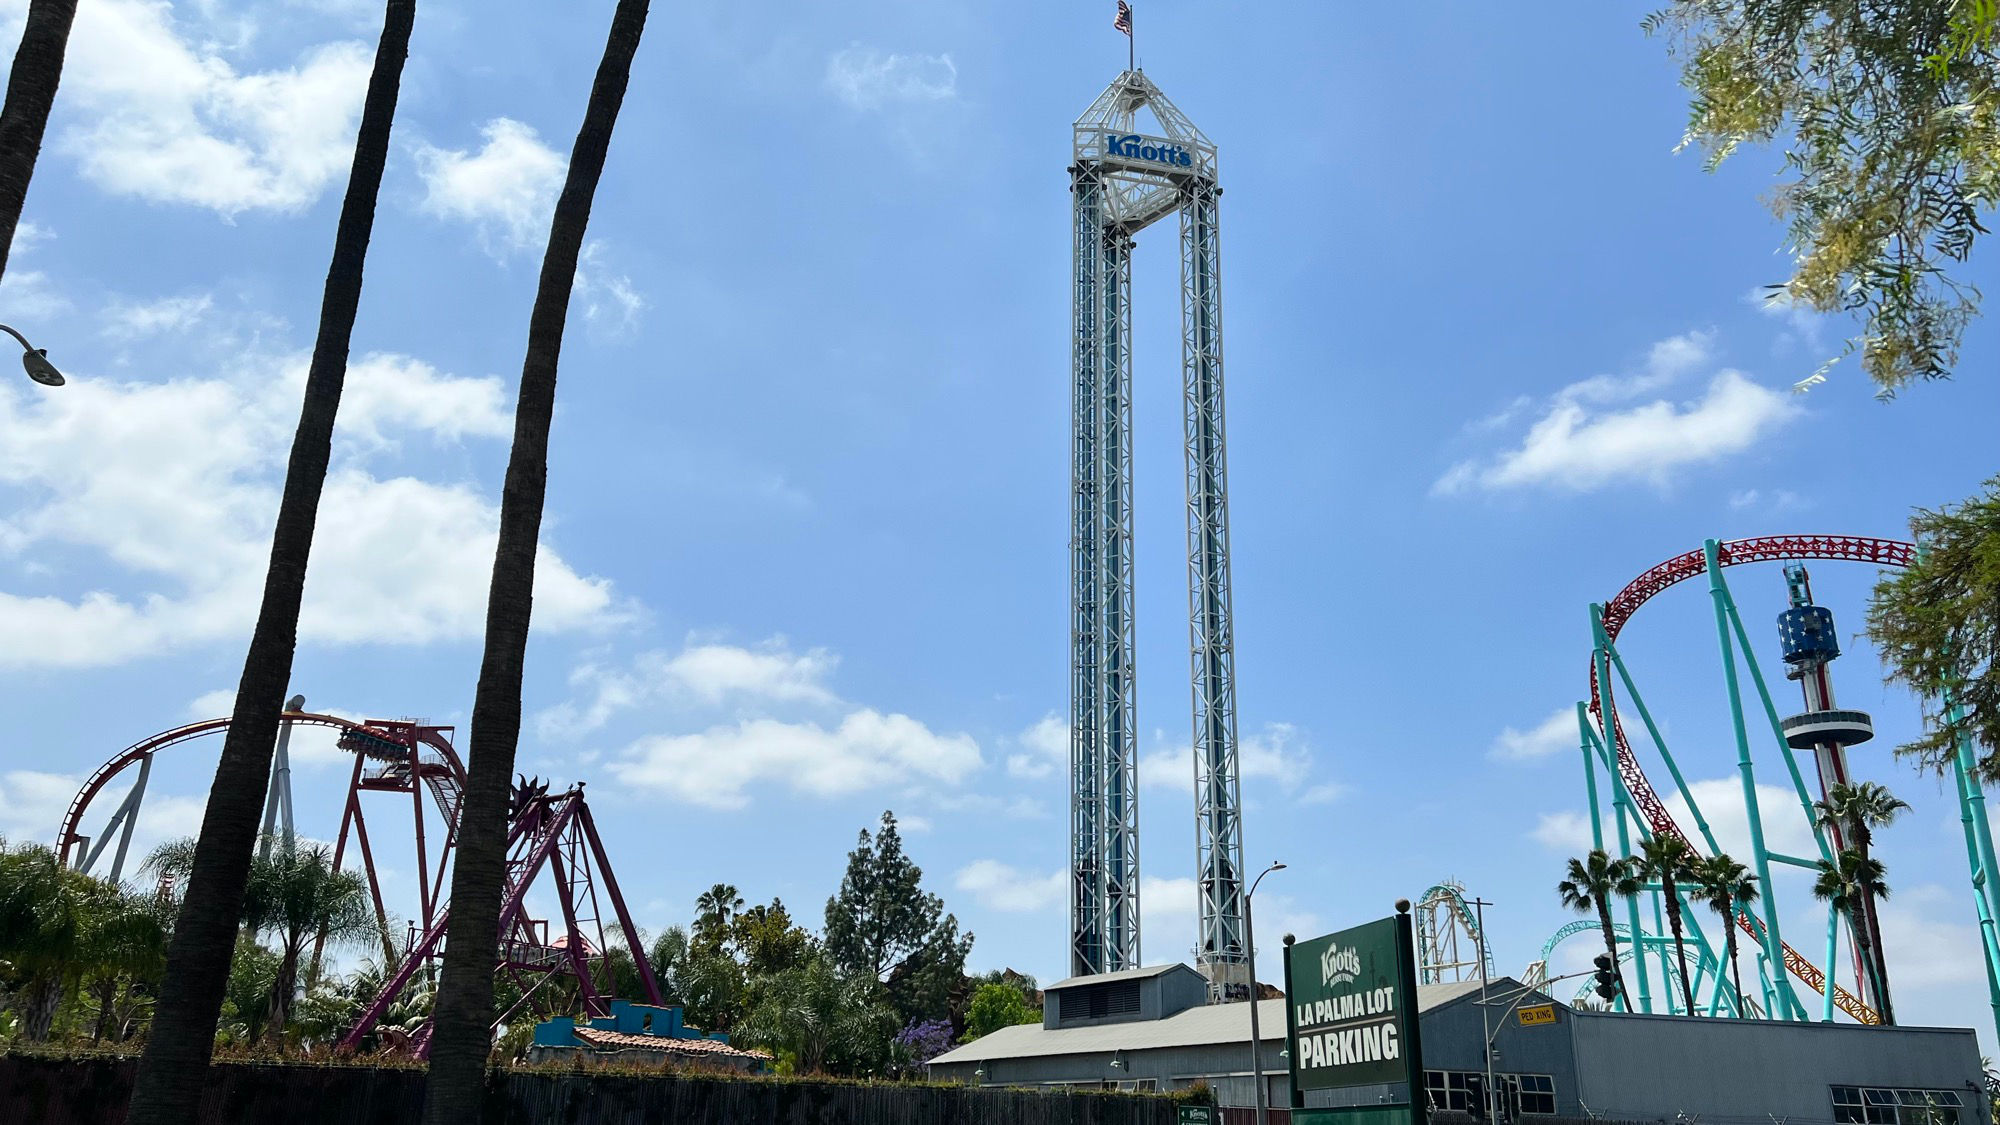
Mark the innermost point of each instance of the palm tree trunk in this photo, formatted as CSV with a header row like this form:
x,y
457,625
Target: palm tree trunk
x,y
462,1036
1680,947
1735,971
1611,947
282,987
167,1090
107,997
1878,959
31,91
38,1006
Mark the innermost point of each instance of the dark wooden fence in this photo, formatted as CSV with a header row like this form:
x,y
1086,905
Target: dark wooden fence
x,y
89,1091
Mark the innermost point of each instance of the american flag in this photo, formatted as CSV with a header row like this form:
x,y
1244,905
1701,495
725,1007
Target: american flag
x,y
1124,20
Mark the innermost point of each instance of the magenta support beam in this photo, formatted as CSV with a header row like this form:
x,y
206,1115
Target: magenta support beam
x,y
425,891
575,947
421,952
618,904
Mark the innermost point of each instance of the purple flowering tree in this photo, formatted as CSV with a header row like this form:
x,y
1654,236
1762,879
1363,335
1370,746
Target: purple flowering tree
x,y
918,1043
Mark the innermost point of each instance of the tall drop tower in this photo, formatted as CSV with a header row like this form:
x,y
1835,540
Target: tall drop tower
x,y
1122,180
1809,644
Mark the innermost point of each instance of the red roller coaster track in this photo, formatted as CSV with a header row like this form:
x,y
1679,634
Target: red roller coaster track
x,y
1680,568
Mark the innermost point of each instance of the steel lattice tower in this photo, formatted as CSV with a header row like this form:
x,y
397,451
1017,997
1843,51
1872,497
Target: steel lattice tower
x,y
1122,181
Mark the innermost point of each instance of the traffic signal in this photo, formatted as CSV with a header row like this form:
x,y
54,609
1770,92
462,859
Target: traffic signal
x,y
1607,977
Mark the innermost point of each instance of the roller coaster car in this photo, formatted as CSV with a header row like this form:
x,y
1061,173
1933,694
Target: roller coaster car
x,y
360,740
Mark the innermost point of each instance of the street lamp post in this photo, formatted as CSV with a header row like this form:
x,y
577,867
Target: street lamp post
x,y
36,361
1256,1039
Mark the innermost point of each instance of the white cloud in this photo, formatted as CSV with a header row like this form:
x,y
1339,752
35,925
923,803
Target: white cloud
x,y
1565,832
869,78
702,672
999,886
1786,829
772,671
1276,753
1928,945
28,295
1721,799
506,189
1583,441
212,704
127,321
1045,748
610,301
32,806
1803,324
868,750
168,120
1325,793
385,394
1777,499
1167,923
108,467
28,235
1551,736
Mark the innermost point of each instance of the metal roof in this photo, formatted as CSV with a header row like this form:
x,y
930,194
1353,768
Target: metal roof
x,y
1122,974
1211,1023
1195,1027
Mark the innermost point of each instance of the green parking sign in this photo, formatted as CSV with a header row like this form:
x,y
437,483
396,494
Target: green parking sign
x,y
1350,1011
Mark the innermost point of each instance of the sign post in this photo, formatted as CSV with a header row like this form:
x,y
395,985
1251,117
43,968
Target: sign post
x,y
1351,1021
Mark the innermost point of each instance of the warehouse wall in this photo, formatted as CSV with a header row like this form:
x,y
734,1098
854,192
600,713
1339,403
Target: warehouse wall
x,y
1652,1066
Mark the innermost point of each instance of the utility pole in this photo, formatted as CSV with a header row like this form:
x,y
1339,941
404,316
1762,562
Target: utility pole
x,y
1479,906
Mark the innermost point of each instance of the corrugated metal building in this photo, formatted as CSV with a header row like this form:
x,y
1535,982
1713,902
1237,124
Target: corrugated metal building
x,y
1151,1029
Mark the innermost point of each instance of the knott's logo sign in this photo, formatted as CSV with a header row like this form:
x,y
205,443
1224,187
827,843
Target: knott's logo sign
x,y
1133,146
1338,966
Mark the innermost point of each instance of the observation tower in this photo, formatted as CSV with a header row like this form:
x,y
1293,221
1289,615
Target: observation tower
x,y
1136,160
1809,643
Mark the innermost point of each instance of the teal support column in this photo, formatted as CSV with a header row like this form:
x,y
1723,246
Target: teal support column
x,y
1832,949
1585,737
1653,732
1691,917
1760,856
1621,809
1973,797
1771,716
1979,857
1764,983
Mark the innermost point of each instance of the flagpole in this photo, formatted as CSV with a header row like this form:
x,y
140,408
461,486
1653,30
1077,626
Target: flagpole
x,y
1132,44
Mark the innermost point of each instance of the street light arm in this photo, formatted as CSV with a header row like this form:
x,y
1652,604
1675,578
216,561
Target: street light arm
x,y
25,345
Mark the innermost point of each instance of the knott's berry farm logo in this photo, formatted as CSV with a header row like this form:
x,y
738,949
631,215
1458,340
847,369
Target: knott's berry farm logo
x,y
1132,146
1338,966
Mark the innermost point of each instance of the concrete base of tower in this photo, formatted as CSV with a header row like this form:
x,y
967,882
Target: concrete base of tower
x,y
1228,981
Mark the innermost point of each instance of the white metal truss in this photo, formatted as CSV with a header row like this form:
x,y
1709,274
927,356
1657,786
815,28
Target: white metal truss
x,y
1086,746
1122,180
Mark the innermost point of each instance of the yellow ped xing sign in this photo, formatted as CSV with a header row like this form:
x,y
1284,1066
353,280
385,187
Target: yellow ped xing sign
x,y
1529,1017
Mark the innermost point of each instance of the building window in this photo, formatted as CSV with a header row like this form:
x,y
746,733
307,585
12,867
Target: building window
x,y
1877,1105
1458,1090
1538,1094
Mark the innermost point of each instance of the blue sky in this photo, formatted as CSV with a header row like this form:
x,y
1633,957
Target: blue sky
x,y
1492,351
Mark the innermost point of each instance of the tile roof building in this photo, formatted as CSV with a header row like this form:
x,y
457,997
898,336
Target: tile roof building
x,y
641,1033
